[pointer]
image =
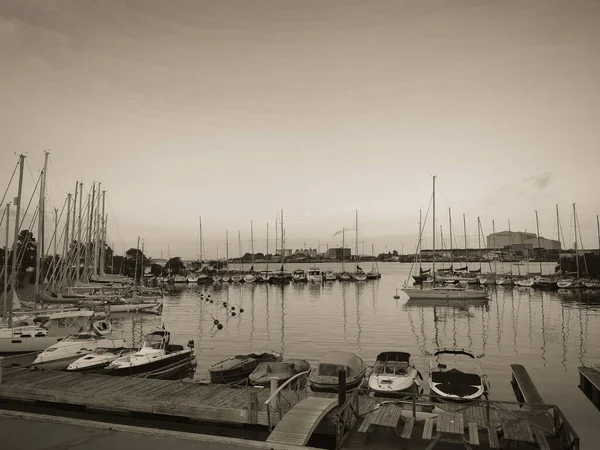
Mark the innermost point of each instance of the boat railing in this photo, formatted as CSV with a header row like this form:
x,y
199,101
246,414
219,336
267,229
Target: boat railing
x,y
282,399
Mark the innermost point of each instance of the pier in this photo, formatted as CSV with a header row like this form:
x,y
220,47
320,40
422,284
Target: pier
x,y
589,383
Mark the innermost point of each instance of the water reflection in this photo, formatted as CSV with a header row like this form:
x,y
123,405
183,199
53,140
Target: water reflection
x,y
360,286
343,285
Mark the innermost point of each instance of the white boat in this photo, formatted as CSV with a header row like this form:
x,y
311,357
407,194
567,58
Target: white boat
x,y
330,276
237,278
454,384
180,279
393,375
193,278
299,276
157,358
19,339
250,277
99,359
359,275
136,307
264,276
525,282
345,276
225,278
324,378
72,347
504,281
569,283
314,274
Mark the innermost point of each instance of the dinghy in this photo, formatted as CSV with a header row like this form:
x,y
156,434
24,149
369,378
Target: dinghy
x,y
325,377
283,370
239,367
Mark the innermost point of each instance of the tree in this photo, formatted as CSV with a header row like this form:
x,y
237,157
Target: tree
x,y
156,269
175,265
27,249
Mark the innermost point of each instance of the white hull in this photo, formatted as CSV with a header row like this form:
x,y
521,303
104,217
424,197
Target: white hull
x,y
16,345
249,278
393,385
61,354
237,278
445,294
153,308
454,398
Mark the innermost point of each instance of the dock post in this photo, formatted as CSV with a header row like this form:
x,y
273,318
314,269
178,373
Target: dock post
x,y
341,387
414,399
275,401
1,358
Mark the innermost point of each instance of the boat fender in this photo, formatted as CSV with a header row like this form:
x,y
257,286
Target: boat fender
x,y
190,344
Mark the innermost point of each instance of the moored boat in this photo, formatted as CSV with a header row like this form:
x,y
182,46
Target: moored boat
x,y
324,378
314,274
393,375
98,359
454,384
283,370
299,276
239,367
330,276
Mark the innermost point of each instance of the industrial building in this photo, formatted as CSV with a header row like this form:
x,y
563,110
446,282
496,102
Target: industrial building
x,y
518,240
338,253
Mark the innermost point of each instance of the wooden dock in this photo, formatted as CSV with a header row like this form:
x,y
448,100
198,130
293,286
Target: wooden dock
x,y
589,383
210,403
526,392
298,424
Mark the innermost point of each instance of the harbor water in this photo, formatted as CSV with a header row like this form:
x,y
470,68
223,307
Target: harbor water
x,y
550,333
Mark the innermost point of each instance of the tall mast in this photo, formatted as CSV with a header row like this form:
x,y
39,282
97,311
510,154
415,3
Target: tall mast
x,y
598,227
343,247
537,227
102,234
5,297
240,249
74,218
88,261
97,234
510,248
137,250
466,249
559,241
66,249
227,249
142,261
267,255
420,239
433,252
494,234
252,243
40,248
479,240
356,243
276,241
13,275
282,243
450,220
78,258
576,243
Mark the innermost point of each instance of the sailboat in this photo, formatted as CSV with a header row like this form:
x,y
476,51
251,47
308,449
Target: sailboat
x,y
225,277
238,277
358,275
570,282
344,276
265,275
373,274
431,291
202,277
217,277
250,277
281,277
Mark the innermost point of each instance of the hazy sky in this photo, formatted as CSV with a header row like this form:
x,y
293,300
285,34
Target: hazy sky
x,y
235,109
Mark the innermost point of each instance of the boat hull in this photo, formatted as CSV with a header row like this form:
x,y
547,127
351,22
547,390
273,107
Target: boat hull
x,y
333,386
446,294
175,366
20,345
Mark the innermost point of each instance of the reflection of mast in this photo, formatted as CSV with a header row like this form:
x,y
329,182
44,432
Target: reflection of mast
x,y
437,329
267,313
543,331
564,338
358,287
514,320
282,316
498,327
344,306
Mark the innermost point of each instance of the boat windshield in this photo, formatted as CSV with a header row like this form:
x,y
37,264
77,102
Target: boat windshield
x,y
331,370
390,368
100,350
154,341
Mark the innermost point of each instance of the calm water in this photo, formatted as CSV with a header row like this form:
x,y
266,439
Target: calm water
x,y
550,333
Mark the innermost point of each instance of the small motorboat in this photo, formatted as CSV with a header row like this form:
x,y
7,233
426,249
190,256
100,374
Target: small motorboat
x,y
393,375
345,276
99,359
180,279
314,275
157,358
330,276
325,377
283,370
72,347
239,367
192,278
455,385
299,276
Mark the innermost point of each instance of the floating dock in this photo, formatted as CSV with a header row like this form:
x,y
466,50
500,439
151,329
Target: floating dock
x,y
589,383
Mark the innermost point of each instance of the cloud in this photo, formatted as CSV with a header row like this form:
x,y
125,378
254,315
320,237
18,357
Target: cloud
x,y
540,181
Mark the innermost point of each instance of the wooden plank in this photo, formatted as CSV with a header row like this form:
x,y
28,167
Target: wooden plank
x,y
525,384
493,437
408,427
592,375
428,428
541,441
473,433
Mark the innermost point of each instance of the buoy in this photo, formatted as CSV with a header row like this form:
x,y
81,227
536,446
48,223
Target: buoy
x,y
233,314
224,303
233,308
241,310
396,296
211,301
220,326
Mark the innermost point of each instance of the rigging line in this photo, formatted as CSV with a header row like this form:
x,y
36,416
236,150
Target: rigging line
x,y
114,218
50,244
54,171
30,200
420,240
9,183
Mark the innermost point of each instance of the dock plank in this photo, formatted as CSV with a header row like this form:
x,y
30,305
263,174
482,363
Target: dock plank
x,y
408,427
473,433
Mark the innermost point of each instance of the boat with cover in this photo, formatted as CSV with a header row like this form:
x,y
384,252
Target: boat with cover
x,y
324,378
72,347
98,359
299,276
394,375
239,367
314,274
283,370
157,358
454,384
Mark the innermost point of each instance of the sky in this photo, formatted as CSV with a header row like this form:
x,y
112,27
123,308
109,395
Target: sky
x,y
234,110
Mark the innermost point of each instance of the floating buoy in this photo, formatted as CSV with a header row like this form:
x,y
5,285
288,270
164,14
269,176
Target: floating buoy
x,y
241,310
224,303
233,314
396,296
220,326
233,308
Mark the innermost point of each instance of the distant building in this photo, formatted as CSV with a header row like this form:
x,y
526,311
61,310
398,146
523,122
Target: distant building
x,y
285,252
544,244
504,239
339,253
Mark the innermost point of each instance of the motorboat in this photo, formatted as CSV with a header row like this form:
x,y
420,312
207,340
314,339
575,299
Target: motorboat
x,y
48,330
454,384
314,274
393,375
525,282
98,359
330,276
504,281
299,276
72,347
192,278
157,358
216,278
345,276
324,378
239,367
180,279
225,278
282,370
569,283
373,275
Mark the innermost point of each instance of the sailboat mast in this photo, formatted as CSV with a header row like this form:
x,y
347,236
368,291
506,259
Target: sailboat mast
x,y
201,255
267,255
494,234
537,227
559,241
450,220
598,227
96,233
356,240
420,238
102,233
343,245
240,249
479,240
227,249
78,264
41,217
576,243
13,275
282,243
5,297
466,249
433,253
137,250
252,242
510,248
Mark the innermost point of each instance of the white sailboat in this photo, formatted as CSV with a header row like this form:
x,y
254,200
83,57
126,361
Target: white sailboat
x,y
358,275
431,291
225,277
250,277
